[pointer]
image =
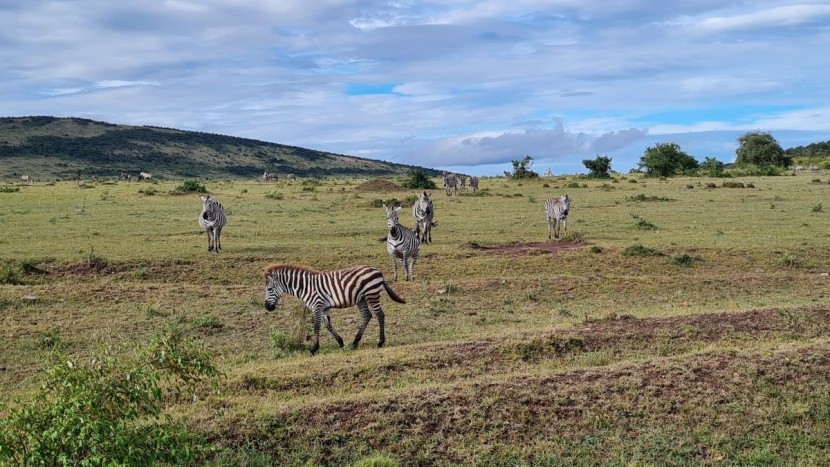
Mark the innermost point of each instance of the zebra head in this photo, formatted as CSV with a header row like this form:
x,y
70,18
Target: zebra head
x,y
566,203
424,201
391,215
274,290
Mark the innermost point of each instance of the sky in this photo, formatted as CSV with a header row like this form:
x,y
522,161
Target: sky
x,y
465,86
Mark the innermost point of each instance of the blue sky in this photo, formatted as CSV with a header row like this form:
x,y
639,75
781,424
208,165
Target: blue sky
x,y
461,85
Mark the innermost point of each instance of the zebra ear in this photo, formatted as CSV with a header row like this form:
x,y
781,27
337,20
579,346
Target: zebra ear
x,y
385,207
398,209
204,198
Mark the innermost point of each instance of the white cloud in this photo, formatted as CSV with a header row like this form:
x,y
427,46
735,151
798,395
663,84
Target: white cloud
x,y
783,16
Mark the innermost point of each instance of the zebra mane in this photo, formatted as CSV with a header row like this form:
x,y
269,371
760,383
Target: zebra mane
x,y
288,266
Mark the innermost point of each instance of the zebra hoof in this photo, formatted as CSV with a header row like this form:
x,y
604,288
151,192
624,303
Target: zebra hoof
x,y
380,344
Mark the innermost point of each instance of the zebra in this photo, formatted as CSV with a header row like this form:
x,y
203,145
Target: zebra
x,y
450,184
462,180
473,183
125,177
212,219
548,173
145,176
267,177
27,179
320,291
290,178
401,242
556,211
423,213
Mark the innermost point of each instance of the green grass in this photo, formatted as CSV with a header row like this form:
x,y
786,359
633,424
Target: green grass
x,y
703,341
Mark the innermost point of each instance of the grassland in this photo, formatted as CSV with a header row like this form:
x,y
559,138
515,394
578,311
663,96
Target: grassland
x,y
680,321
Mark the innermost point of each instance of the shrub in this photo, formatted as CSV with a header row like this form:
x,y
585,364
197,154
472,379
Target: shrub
x,y
640,250
596,249
643,198
149,191
733,185
190,186
683,260
108,410
8,275
816,207
643,224
418,180
274,195
7,189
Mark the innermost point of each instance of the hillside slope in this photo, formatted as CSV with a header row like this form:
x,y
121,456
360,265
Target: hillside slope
x,y
52,148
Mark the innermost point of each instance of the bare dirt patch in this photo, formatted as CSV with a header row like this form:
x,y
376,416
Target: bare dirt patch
x,y
529,248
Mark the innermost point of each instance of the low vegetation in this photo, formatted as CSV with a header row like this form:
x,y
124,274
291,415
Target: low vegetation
x,y
705,341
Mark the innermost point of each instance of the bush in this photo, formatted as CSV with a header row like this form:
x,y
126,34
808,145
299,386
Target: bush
x,y
8,275
275,195
108,410
190,186
418,180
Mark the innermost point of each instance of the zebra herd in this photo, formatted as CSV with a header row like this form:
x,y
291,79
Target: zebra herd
x,y
359,286
452,182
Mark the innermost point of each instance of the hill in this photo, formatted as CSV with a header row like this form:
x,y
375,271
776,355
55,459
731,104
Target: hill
x,y
59,148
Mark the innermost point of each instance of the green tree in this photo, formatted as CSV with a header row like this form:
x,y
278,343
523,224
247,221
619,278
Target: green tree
x,y
665,160
711,167
417,179
761,149
521,169
599,167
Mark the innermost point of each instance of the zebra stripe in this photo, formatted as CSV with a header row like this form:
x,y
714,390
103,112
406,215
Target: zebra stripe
x,y
401,242
212,219
474,183
423,213
450,184
556,211
320,291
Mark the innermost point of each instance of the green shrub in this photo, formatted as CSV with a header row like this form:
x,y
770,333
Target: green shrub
x,y
190,186
816,207
149,191
643,224
8,275
683,260
643,198
107,410
7,189
274,195
418,180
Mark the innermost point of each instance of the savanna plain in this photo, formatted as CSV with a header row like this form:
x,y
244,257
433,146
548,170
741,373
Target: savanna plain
x,y
682,321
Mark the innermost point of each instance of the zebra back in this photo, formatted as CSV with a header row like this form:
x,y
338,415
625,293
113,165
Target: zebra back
x,y
558,208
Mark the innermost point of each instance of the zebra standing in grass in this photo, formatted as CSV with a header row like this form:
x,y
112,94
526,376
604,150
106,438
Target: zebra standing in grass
x,y
145,176
556,211
423,213
212,219
450,184
462,181
27,179
473,183
401,242
320,291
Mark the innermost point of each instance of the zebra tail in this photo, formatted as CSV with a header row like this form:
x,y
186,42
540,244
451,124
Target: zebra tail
x,y
392,294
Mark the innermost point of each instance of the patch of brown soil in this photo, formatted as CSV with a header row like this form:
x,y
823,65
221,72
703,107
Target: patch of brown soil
x,y
529,248
379,185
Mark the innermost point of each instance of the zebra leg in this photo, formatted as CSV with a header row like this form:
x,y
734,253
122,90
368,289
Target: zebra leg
x,y
317,316
365,316
404,266
412,261
394,266
210,239
330,327
218,242
381,322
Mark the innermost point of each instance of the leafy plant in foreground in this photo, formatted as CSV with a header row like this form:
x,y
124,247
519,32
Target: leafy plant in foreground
x,y
108,410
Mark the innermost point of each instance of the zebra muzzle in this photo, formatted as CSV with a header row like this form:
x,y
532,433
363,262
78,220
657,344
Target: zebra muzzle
x,y
270,306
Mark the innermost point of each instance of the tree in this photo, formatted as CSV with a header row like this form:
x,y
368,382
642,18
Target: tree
x,y
665,160
761,149
418,180
711,167
521,169
599,167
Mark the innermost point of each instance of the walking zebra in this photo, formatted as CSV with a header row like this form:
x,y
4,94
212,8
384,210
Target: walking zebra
x,y
423,213
450,184
462,180
401,242
267,177
556,211
145,176
27,179
320,291
212,220
473,183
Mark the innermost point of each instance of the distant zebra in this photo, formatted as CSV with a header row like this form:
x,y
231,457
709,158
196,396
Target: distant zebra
x,y
267,177
450,184
548,173
556,211
145,176
423,213
27,179
125,177
212,219
290,178
473,183
320,291
401,242
462,181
